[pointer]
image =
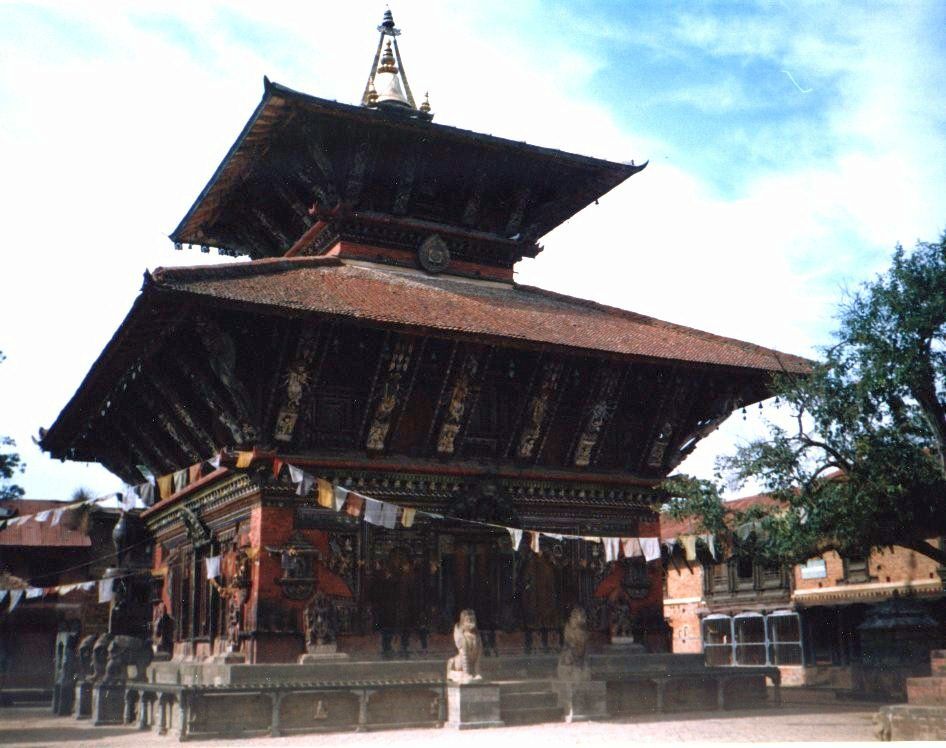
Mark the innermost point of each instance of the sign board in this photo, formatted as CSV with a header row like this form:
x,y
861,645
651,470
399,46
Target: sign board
x,y
814,568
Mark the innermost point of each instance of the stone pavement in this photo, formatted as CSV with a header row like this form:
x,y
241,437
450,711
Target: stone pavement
x,y
805,716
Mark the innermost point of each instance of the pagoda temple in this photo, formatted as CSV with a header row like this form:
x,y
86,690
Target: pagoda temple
x,y
376,341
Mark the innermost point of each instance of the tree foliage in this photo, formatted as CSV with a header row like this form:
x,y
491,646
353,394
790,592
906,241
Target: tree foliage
x,y
10,464
864,464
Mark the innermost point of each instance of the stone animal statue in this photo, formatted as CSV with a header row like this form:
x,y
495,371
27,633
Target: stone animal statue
x,y
124,651
573,661
464,667
84,667
100,657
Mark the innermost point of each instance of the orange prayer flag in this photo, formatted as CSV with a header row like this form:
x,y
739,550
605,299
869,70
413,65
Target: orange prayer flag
x,y
165,485
325,494
244,459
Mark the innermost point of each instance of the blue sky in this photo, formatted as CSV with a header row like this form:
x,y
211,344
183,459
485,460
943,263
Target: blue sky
x,y
791,145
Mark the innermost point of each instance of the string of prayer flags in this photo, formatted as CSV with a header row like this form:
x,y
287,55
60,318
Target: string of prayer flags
x,y
43,516
33,592
325,493
631,547
214,461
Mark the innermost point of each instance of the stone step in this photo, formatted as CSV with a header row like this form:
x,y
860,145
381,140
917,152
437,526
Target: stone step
x,y
927,691
528,700
531,716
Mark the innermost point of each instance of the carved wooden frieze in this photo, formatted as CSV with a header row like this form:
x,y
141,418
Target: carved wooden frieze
x,y
539,406
602,407
461,397
222,354
667,422
392,390
297,379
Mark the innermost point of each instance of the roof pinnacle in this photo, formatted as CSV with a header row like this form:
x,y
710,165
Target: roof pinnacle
x,y
387,87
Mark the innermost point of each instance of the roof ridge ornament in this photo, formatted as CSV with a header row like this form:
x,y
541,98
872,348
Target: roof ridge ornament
x,y
387,87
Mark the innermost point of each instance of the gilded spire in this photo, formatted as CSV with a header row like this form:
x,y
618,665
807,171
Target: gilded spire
x,y
387,87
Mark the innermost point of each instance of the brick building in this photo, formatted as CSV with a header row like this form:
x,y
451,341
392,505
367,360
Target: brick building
x,y
42,555
804,619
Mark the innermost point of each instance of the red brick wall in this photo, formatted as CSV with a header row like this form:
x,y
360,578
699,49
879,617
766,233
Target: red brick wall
x,y
684,583
896,565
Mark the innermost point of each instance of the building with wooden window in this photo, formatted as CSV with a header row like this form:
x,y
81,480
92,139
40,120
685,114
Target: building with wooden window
x,y
808,620
377,339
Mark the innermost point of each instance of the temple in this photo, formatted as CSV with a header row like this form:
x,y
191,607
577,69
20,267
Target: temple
x,y
377,341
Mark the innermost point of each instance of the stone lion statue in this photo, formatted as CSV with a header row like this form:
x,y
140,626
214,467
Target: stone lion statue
x,y
573,662
464,667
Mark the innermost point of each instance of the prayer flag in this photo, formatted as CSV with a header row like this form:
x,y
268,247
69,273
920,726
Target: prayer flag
x,y
407,516
516,535
389,515
650,548
105,590
15,596
340,495
213,566
165,483
354,503
326,496
244,459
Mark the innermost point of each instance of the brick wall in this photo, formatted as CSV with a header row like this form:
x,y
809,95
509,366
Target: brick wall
x,y
896,565
682,602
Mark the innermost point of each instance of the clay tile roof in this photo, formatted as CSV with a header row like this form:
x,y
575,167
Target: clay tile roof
x,y
34,533
505,311
671,528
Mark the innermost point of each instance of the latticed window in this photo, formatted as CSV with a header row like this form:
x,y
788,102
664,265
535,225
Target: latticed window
x,y
749,639
717,640
753,639
856,570
784,634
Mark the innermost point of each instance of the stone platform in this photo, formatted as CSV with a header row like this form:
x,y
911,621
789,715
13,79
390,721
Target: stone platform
x,y
232,699
924,716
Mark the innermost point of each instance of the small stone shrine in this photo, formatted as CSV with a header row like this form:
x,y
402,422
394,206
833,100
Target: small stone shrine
x,y
369,430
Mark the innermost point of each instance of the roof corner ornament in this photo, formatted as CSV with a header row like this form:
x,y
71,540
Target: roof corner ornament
x,y
387,88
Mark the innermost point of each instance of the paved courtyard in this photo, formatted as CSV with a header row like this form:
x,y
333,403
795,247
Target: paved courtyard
x,y
805,716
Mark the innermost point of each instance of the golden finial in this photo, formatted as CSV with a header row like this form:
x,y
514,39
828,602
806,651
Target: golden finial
x,y
387,61
372,98
425,106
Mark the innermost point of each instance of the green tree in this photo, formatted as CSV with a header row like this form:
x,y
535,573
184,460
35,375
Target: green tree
x,y
10,464
864,464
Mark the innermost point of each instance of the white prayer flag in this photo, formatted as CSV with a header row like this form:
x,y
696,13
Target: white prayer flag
x,y
612,547
388,515
372,511
44,515
213,566
105,590
340,495
516,536
57,515
15,596
33,592
650,548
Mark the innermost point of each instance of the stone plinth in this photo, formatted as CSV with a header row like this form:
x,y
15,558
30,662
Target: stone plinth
x,y
322,653
228,658
582,700
108,704
472,705
83,701
924,717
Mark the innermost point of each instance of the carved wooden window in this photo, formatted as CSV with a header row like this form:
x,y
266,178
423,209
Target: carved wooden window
x,y
856,569
743,573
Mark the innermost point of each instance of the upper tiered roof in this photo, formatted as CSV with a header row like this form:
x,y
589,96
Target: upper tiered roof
x,y
384,174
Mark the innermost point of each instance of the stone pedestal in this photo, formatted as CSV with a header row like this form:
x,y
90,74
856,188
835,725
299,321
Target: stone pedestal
x,y
322,653
83,701
228,658
471,705
582,700
924,717
108,704
626,645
